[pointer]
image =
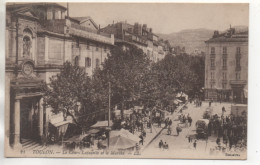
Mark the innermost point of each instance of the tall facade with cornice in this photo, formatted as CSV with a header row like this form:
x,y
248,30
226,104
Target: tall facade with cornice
x,y
226,66
40,37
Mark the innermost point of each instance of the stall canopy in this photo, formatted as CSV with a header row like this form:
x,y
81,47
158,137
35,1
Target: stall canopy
x,y
121,139
93,131
102,124
60,124
59,121
124,133
177,101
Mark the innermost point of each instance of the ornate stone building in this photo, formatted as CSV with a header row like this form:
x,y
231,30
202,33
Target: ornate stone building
x,y
226,66
40,37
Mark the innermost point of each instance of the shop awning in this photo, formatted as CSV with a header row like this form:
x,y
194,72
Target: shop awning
x,y
59,121
93,131
102,124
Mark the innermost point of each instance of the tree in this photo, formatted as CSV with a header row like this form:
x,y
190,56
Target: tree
x,y
173,74
124,69
67,90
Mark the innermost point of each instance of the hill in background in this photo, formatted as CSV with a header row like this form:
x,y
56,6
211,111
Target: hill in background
x,y
192,39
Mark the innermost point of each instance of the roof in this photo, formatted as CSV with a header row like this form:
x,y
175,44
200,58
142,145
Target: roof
x,y
17,5
83,19
231,35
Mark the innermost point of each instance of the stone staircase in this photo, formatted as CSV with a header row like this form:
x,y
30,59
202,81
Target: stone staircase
x,y
30,144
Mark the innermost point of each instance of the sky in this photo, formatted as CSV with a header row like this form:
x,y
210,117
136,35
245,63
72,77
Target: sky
x,y
165,17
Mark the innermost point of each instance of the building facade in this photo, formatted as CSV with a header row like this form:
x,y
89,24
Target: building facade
x,y
226,66
139,35
40,37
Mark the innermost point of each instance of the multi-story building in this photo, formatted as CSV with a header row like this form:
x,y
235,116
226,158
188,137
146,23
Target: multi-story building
x,y
139,35
226,66
39,39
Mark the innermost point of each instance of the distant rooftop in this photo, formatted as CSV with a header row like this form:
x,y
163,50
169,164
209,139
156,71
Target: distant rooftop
x,y
236,34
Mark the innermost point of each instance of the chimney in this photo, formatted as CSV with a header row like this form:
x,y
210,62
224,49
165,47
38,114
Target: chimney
x,y
144,26
216,34
136,28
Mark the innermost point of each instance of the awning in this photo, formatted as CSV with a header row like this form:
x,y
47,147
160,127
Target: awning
x,y
102,124
93,131
59,121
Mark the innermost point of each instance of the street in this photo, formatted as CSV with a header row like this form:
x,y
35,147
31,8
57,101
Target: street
x,y
178,145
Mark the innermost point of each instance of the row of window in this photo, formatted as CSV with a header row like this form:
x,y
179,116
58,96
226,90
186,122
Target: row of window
x,y
224,76
224,62
224,50
87,62
88,46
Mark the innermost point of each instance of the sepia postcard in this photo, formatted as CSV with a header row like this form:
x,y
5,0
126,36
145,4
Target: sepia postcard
x,y
126,80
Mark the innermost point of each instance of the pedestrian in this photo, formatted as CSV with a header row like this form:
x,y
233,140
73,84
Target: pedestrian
x,y
210,103
190,120
218,141
195,144
170,122
178,130
186,123
137,149
166,122
142,139
161,144
165,146
190,139
223,110
159,122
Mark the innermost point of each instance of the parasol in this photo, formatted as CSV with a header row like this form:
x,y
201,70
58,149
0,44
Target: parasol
x,y
119,142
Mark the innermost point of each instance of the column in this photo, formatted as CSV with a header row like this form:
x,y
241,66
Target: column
x,y
40,120
17,123
7,110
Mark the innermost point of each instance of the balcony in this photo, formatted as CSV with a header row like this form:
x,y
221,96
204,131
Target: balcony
x,y
238,83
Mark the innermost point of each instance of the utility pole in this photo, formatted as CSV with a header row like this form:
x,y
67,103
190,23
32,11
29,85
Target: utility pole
x,y
68,10
109,107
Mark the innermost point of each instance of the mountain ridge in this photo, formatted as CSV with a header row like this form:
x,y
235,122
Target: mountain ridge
x,y
193,39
